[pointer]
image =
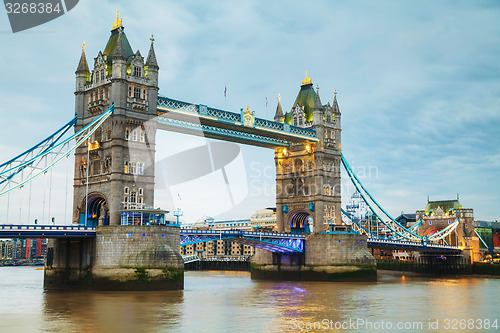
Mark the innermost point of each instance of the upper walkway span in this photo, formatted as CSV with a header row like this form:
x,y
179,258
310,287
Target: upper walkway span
x,y
244,127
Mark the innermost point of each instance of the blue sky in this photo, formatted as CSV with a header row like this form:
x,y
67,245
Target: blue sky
x,y
418,85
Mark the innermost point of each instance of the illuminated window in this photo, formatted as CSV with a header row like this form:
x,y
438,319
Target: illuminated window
x,y
125,190
127,133
125,167
143,93
143,136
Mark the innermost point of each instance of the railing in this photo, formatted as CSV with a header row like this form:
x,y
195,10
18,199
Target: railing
x,y
237,233
409,244
45,231
231,117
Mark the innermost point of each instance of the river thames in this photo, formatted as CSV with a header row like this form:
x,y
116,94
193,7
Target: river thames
x,y
216,301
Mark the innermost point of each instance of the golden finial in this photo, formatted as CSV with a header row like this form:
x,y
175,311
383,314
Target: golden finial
x,y
248,109
84,46
279,98
307,80
119,22
152,39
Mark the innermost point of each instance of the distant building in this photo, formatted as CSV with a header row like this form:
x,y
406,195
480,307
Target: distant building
x,y
489,235
438,215
264,220
407,220
23,248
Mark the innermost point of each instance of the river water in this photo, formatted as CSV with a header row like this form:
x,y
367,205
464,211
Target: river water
x,y
231,302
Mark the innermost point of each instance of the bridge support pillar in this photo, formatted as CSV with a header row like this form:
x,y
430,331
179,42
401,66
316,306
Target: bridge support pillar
x,y
326,257
68,263
119,258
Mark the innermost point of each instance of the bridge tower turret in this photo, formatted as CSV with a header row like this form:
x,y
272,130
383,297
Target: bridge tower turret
x,y
114,171
308,196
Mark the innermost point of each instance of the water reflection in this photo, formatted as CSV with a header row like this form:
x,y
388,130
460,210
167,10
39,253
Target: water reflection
x,y
232,302
112,311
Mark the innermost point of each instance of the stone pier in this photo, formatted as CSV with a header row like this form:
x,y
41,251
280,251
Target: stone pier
x,y
326,257
119,258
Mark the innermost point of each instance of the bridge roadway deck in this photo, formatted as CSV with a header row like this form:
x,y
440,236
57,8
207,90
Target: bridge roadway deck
x,y
271,241
411,246
45,231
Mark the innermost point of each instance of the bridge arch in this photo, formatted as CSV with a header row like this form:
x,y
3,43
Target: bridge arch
x,y
301,223
97,210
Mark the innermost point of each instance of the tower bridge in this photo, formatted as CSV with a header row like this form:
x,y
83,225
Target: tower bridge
x,y
118,112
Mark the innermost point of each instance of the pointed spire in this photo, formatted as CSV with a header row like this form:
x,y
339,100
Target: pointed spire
x,y
317,101
151,61
119,49
278,117
335,105
83,66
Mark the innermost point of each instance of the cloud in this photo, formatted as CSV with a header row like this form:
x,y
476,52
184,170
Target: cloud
x,y
418,88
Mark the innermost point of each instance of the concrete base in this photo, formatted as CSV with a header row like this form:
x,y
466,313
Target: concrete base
x,y
119,258
325,258
68,263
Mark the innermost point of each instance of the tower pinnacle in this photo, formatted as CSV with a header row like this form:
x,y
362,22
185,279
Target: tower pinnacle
x,y
307,80
83,66
278,117
119,22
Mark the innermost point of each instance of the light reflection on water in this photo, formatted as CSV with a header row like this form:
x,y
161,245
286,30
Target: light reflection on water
x,y
231,301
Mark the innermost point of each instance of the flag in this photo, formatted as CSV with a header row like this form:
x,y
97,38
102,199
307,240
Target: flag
x,y
225,91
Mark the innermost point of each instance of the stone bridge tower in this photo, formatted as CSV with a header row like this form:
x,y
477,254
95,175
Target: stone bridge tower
x,y
308,188
114,171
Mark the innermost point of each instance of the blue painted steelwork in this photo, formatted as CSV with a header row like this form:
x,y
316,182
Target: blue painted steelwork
x,y
411,246
404,233
358,227
219,132
195,239
264,130
45,231
400,232
48,148
284,243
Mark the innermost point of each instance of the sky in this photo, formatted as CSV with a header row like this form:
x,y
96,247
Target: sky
x,y
418,86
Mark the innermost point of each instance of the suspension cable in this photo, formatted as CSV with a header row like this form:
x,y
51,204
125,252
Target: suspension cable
x,y
66,196
50,193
